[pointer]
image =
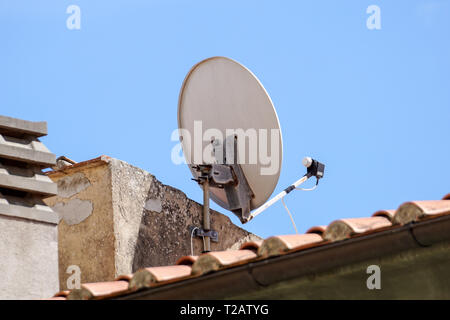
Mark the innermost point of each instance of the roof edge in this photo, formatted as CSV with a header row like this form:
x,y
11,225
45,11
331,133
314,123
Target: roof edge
x,y
248,277
103,159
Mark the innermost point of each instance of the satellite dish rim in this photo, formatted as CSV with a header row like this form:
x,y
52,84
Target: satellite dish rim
x,y
180,98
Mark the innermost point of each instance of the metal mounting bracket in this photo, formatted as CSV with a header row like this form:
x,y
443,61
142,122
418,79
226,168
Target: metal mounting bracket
x,y
200,232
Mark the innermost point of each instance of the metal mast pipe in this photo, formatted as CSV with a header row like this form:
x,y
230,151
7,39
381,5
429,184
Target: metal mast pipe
x,y
206,221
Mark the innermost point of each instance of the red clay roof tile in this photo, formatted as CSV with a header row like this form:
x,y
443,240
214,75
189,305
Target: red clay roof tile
x,y
414,210
213,261
57,298
251,245
98,290
125,277
189,266
186,260
277,245
317,229
345,228
389,214
147,277
63,293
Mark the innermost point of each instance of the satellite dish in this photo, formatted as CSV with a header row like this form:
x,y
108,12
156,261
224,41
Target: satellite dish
x,y
222,94
231,139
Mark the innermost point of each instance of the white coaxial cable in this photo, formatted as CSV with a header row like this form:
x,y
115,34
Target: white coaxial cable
x,y
192,235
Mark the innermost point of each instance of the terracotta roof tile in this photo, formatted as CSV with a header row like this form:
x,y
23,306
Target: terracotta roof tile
x,y
251,245
190,266
414,210
57,298
277,245
187,260
345,228
125,277
97,290
317,229
147,277
213,261
61,295
389,214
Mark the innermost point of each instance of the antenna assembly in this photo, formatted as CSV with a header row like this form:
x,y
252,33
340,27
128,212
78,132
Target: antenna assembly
x,y
221,97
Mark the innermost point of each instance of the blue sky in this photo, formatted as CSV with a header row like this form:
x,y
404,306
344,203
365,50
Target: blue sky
x,y
373,105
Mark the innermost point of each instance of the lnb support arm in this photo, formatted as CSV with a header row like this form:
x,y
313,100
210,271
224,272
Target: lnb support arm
x,y
314,168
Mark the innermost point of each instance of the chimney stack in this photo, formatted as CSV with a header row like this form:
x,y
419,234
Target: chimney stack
x,y
28,227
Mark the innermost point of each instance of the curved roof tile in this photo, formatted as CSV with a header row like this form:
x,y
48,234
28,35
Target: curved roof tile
x,y
187,260
278,245
317,229
147,277
414,210
213,261
389,214
189,266
345,228
251,245
97,290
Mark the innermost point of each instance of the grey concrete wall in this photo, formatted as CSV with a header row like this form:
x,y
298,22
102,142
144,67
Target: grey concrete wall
x,y
28,259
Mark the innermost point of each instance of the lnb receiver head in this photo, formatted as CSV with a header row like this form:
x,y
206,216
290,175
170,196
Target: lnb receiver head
x,y
314,168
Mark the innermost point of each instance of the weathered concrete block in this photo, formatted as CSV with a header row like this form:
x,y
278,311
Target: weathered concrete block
x,y
136,221
30,208
26,179
18,126
28,149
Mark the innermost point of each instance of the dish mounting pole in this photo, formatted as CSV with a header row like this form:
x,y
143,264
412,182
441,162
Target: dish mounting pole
x,y
206,220
230,178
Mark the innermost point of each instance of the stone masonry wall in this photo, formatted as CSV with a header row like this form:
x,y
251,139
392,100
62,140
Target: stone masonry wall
x,y
117,218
